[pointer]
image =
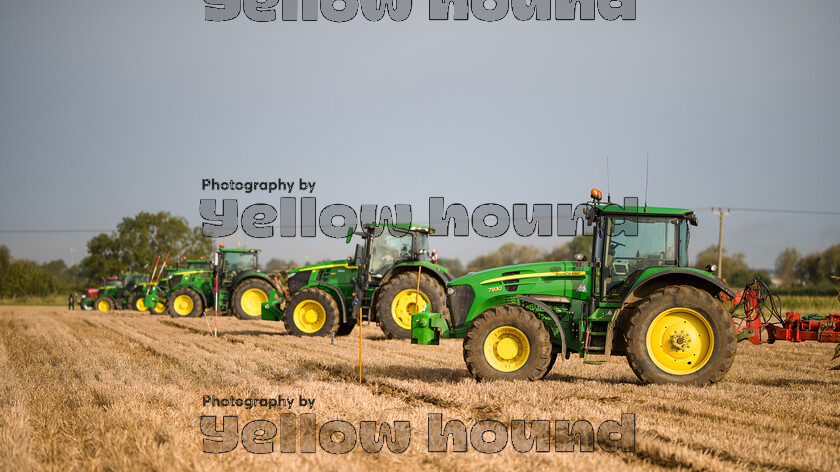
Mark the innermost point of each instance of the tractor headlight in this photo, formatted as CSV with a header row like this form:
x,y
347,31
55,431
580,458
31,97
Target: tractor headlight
x,y
712,268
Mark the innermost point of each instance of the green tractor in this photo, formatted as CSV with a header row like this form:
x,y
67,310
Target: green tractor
x,y
242,288
381,281
161,289
118,293
635,296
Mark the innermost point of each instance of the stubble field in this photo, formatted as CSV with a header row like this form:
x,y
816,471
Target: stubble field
x,y
123,390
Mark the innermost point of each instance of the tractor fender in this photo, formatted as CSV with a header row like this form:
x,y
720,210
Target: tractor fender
x,y
554,318
675,277
243,278
335,292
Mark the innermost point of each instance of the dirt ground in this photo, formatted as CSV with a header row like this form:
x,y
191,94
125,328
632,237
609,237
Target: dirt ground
x,y
124,390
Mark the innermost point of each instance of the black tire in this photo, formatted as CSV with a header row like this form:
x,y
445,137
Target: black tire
x,y
550,364
136,301
399,292
105,304
178,307
680,307
498,323
311,312
345,329
255,292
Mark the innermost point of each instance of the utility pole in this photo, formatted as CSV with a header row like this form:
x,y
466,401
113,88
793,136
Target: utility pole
x,y
720,240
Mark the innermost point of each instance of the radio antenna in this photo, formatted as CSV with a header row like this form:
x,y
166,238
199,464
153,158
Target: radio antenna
x,y
608,180
647,173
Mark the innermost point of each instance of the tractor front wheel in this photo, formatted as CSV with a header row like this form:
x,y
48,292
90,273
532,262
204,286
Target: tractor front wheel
x,y
105,304
137,303
507,342
680,335
399,299
311,312
185,303
249,297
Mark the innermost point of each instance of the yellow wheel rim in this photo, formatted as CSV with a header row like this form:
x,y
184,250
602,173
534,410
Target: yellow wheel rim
x,y
140,305
310,316
183,305
680,341
405,305
506,349
103,305
252,301
160,307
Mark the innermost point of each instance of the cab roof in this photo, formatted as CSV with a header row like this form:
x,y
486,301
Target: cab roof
x,y
402,226
612,209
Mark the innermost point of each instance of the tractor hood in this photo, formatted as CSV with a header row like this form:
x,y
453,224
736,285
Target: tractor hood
x,y
534,270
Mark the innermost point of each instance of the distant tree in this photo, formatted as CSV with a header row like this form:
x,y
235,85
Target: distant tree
x,y
453,264
138,241
275,264
5,257
807,269
817,267
785,264
507,254
20,277
736,272
581,244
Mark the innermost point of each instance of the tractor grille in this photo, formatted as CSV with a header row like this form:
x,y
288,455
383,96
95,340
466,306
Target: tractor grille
x,y
297,281
459,300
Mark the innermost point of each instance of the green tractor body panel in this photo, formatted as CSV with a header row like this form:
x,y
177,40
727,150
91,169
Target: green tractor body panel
x,y
635,251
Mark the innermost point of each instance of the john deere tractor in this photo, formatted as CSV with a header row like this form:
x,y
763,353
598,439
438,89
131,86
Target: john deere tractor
x,y
242,288
633,296
117,293
379,284
161,289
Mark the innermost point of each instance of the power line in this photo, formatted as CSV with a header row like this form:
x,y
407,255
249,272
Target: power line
x,y
55,230
770,210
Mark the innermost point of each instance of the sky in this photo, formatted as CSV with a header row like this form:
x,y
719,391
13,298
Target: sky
x,y
113,108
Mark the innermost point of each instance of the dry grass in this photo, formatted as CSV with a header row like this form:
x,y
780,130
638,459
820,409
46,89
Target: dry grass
x,y
94,391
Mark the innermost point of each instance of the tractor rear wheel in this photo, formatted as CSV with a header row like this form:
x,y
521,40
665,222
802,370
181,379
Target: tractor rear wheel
x,y
248,298
398,300
345,329
137,303
507,342
105,304
185,303
680,335
311,312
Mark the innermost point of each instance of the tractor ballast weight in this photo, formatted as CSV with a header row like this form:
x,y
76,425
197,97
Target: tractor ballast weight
x,y
378,284
633,296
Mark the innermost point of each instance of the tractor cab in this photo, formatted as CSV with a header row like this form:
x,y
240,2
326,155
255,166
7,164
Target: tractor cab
x,y
628,240
132,281
387,246
235,262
